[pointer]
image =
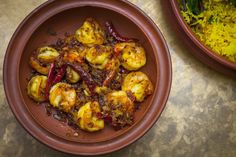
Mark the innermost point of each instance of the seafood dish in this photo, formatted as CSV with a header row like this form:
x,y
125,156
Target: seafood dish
x,y
91,78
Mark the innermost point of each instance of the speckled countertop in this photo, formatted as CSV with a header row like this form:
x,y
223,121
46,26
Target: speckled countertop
x,y
199,119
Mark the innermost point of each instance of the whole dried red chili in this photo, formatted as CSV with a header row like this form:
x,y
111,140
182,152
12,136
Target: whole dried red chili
x,y
51,77
109,78
54,78
60,74
112,31
86,77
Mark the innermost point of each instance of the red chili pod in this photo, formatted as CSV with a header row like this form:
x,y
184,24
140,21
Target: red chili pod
x,y
112,31
51,77
86,77
60,74
109,78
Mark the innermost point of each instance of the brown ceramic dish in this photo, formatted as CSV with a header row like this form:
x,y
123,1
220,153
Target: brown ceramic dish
x,y
44,26
198,49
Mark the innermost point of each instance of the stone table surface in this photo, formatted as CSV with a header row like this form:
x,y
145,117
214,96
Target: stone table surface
x,y
199,119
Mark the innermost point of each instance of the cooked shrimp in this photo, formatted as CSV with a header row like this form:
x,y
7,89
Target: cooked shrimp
x,y
72,55
112,67
119,107
87,117
35,64
43,56
113,64
36,88
98,56
71,75
62,96
133,55
47,54
90,33
138,84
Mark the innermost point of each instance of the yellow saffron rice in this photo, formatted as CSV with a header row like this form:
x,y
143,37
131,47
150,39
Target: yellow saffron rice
x,y
215,26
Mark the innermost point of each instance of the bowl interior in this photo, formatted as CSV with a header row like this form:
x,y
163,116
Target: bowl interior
x,y
51,21
67,22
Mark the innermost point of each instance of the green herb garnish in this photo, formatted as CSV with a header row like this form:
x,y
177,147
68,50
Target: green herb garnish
x,y
233,2
195,6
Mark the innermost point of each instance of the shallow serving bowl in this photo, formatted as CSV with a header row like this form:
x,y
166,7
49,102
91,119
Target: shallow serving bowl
x,y
51,21
196,47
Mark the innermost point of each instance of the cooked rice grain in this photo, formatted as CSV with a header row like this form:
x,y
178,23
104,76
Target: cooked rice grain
x,y
215,27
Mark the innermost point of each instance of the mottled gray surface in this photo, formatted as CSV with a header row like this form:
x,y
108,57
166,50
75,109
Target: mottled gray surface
x,y
198,121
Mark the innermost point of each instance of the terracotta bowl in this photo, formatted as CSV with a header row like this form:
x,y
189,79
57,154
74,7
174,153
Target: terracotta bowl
x,y
205,54
66,16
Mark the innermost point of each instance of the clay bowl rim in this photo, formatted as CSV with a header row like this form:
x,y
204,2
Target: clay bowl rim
x,y
31,126
196,41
